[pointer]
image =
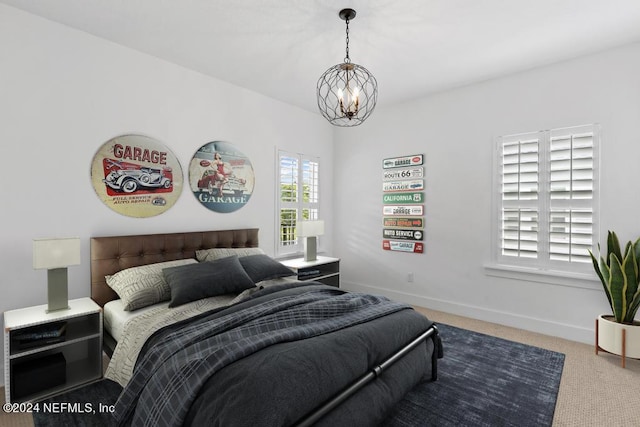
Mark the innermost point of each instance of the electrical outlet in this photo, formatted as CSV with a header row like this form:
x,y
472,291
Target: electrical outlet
x,y
410,277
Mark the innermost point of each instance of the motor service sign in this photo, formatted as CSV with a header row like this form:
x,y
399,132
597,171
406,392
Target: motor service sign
x,y
401,234
136,176
221,177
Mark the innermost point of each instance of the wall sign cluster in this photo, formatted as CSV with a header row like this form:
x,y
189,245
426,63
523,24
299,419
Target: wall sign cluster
x,y
138,176
403,204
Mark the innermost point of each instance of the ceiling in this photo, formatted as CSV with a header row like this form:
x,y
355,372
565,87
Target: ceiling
x,y
413,47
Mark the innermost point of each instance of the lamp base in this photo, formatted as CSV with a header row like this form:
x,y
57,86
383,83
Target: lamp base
x,y
310,248
57,292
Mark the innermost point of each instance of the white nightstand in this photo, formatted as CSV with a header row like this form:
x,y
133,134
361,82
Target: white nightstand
x,y
324,269
48,353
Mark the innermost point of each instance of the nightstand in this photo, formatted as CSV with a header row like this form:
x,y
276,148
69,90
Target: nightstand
x,y
48,353
324,269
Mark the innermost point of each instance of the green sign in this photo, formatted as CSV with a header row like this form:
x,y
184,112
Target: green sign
x,y
398,198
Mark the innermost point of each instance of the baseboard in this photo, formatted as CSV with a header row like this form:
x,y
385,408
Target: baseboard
x,y
569,332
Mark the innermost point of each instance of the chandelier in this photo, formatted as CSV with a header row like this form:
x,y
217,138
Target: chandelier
x,y
347,92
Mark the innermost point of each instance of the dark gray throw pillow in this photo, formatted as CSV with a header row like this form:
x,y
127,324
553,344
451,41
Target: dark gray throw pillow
x,y
263,267
206,279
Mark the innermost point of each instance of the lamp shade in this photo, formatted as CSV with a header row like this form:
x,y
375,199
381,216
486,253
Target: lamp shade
x,y
310,228
56,253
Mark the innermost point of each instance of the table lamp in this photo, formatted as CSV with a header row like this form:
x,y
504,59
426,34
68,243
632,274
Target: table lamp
x,y
310,230
56,255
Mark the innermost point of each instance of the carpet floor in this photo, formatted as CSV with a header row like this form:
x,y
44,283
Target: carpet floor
x,y
482,381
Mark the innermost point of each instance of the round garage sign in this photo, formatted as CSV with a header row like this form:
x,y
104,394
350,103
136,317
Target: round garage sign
x,y
136,176
221,177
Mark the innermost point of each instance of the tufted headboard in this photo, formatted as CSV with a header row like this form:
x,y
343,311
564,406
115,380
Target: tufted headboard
x,y
114,253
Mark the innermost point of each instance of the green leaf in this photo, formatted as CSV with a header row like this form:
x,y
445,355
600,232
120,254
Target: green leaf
x,y
636,248
629,269
617,287
596,267
613,245
634,306
605,278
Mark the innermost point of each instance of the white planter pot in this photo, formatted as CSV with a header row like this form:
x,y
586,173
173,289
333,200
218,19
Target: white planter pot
x,y
610,337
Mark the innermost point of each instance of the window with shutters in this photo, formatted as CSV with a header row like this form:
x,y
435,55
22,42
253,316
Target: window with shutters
x,y
298,198
547,199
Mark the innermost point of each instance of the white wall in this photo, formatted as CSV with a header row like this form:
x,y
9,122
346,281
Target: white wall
x,y
456,131
64,93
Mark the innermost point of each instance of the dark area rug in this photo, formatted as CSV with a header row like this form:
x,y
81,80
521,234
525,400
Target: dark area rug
x,y
88,406
482,381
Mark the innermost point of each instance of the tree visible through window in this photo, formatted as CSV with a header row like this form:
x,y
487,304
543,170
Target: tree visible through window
x,y
298,190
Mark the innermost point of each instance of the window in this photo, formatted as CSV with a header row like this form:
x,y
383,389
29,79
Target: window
x,y
299,197
547,199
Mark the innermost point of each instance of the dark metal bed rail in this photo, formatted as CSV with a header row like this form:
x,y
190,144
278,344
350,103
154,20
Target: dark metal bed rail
x,y
375,372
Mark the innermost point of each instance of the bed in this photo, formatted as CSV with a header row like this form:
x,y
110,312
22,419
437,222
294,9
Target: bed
x,y
273,352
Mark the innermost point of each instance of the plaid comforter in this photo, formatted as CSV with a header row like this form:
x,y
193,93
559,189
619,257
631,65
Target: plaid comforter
x,y
170,374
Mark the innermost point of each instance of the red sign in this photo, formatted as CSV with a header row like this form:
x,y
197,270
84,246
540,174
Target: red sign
x,y
392,245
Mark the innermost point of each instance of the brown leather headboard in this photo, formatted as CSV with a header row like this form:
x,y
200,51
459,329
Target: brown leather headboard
x,y
114,253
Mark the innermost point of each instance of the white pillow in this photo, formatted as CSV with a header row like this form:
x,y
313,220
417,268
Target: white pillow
x,y
145,285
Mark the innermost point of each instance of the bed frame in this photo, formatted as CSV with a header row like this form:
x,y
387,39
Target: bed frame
x,y
111,254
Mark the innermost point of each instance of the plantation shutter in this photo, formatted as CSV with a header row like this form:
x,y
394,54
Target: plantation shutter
x,y
571,191
289,166
299,197
547,196
519,225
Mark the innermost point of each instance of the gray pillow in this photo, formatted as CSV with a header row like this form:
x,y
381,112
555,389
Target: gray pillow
x,y
141,286
206,279
217,253
262,267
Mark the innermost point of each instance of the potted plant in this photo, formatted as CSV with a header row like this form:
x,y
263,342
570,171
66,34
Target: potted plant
x,y
619,273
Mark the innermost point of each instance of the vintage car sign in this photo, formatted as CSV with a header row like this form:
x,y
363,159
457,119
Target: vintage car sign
x,y
392,245
403,222
402,234
221,177
403,173
399,162
136,176
403,210
396,198
411,185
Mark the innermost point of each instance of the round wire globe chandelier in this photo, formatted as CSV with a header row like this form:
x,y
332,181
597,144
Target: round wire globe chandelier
x,y
347,92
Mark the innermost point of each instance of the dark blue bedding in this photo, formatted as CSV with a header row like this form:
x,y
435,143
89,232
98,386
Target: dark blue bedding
x,y
275,357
